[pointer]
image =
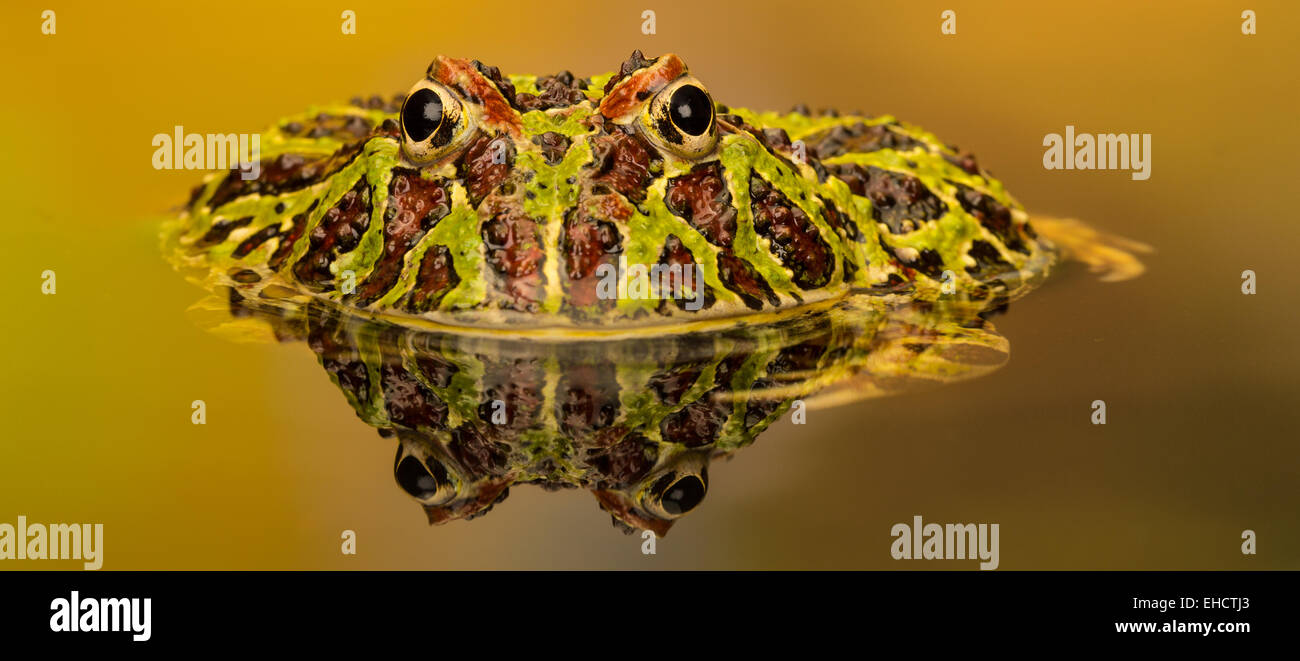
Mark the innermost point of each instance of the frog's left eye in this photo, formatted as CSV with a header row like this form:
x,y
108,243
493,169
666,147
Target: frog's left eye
x,y
433,122
681,118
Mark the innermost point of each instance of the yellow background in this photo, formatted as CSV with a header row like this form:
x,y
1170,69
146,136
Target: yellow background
x,y
1200,380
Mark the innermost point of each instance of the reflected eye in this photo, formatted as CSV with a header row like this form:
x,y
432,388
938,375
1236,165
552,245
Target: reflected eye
x,y
677,493
431,487
681,118
433,123
683,495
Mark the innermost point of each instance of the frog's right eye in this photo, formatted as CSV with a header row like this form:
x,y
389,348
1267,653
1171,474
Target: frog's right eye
x,y
426,481
433,122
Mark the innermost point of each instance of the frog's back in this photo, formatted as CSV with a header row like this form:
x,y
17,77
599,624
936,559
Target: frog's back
x,y
624,200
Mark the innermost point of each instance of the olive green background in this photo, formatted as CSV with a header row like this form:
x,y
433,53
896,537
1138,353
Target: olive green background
x,y
1200,380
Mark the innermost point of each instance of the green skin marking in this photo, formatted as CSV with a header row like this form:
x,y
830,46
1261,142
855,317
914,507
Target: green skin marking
x,y
547,193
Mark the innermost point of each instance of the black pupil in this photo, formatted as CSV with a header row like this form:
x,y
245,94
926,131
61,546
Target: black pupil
x,y
691,110
684,495
415,479
422,114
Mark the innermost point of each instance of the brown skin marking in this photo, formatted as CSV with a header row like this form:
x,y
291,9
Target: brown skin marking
x,y
478,454
988,261
257,239
479,167
625,463
431,362
285,173
794,238
410,403
898,200
758,408
993,215
389,128
513,242
587,242
415,205
928,261
339,231
586,400
282,251
463,75
701,198
630,93
860,138
220,230
244,276
965,161
843,224
195,194
518,385
674,253
554,146
622,161
847,229
777,139
339,356
697,424
700,422
669,386
558,91
437,276
376,102
340,127
742,279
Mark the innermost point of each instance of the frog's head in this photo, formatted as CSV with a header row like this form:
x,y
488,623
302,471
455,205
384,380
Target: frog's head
x,y
479,199
559,169
667,110
449,490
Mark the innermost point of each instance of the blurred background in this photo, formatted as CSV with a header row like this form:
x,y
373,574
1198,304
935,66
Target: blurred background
x,y
1199,380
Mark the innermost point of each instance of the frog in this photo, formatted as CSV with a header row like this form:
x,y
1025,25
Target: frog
x,y
624,202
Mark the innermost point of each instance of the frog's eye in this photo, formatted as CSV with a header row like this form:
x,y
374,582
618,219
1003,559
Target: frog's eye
x,y
681,118
677,493
433,122
426,481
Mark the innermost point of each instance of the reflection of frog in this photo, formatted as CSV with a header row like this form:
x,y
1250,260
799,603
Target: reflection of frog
x,y
635,421
486,200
